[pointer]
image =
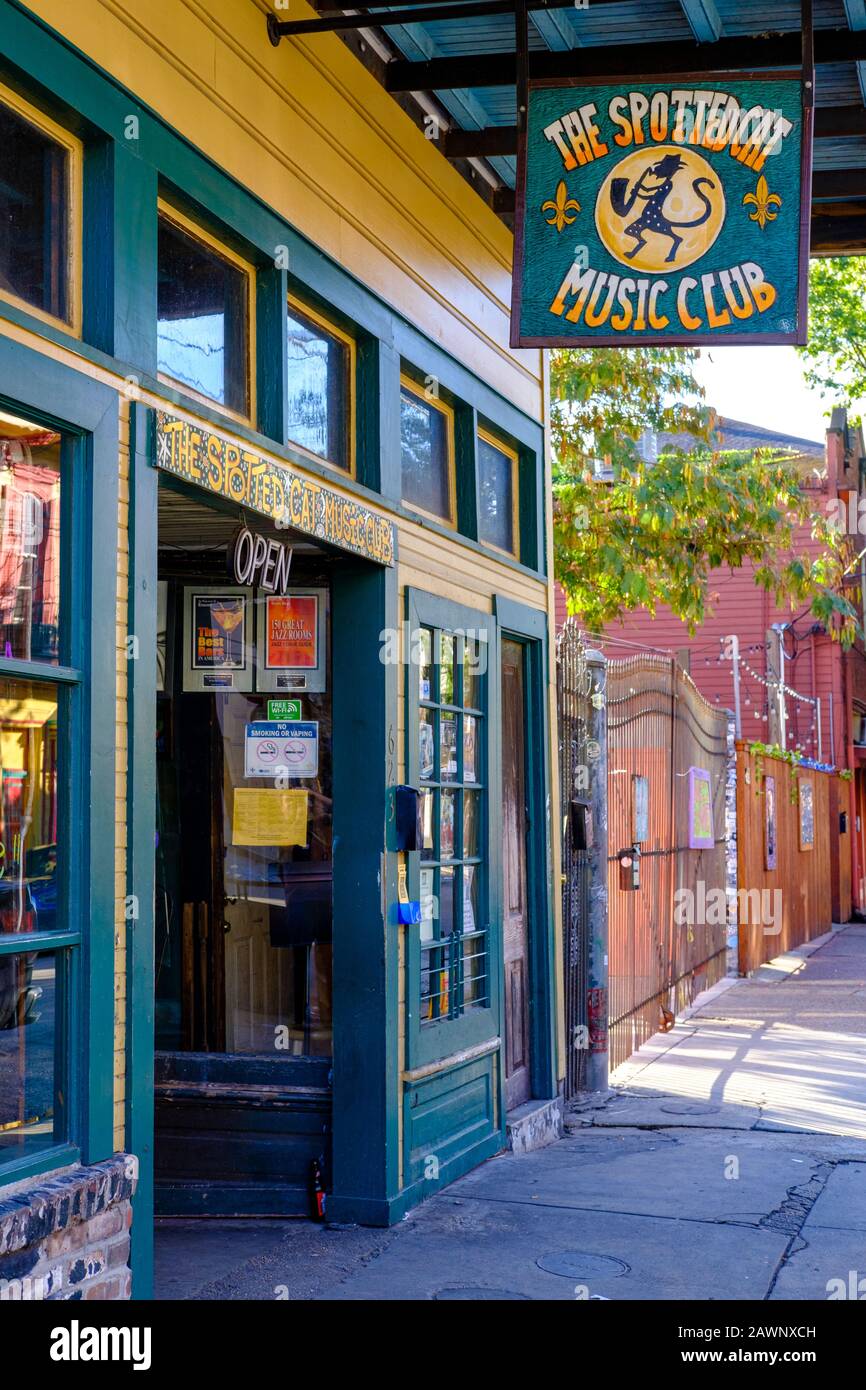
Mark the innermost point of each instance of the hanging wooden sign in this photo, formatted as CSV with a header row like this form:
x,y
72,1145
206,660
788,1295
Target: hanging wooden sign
x,y
663,212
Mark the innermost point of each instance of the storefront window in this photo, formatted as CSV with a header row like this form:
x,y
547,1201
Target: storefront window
x,y
32,1092
33,829
427,450
278,896
29,541
320,372
243,852
28,806
497,495
39,172
454,947
204,317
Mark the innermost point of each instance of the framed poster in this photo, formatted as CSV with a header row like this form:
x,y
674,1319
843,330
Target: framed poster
x,y
426,749
291,641
217,638
807,814
701,834
470,748
770,826
656,211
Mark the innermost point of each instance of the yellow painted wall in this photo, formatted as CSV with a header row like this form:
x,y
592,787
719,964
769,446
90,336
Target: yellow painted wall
x,y
312,133
309,130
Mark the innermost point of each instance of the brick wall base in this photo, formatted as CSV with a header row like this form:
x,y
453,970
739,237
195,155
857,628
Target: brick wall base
x,y
67,1236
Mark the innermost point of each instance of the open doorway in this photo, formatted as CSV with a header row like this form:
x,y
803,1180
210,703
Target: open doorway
x,y
244,871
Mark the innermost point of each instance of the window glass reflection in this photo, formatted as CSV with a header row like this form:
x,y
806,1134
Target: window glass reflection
x,y
448,747
34,225
319,389
425,445
202,318
278,899
29,541
32,1089
454,942
28,807
495,496
428,846
425,664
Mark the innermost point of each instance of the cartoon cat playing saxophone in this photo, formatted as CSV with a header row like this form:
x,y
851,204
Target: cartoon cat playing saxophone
x,y
653,188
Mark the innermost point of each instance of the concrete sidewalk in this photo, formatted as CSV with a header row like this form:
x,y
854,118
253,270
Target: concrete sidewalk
x,y
729,1161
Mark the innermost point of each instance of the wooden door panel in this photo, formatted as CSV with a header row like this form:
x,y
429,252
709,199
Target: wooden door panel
x,y
515,924
515,1006
258,980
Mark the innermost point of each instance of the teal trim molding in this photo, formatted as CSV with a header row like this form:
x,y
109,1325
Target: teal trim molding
x,y
140,864
466,451
365,946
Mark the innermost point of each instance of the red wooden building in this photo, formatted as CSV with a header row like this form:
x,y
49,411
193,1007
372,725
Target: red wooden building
x,y
822,709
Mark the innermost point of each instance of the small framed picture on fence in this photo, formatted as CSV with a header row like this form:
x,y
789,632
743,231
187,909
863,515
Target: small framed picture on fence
x,y
807,815
701,834
640,809
770,822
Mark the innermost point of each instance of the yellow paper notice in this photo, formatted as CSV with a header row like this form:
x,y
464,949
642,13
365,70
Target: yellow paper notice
x,y
268,816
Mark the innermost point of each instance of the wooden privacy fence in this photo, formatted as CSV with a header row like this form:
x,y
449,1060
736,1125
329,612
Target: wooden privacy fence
x,y
793,855
667,764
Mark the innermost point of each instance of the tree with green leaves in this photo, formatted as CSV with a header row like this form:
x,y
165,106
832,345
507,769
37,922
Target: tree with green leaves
x,y
655,532
835,355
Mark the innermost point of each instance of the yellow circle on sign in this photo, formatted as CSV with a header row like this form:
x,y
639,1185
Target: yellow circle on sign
x,y
660,208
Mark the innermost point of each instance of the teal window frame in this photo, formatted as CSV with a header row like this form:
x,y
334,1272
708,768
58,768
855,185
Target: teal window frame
x,y
86,413
432,1040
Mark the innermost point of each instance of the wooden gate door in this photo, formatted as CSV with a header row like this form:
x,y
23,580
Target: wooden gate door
x,y
515,925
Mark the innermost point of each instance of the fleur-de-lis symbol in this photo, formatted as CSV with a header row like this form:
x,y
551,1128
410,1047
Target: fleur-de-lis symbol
x,y
763,201
560,207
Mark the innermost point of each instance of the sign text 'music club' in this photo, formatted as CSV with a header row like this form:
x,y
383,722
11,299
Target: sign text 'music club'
x,y
656,212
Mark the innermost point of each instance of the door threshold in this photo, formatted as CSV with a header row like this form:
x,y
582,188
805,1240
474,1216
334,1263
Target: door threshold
x,y
533,1125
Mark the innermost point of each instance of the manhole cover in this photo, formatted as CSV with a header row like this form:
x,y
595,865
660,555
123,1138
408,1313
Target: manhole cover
x,y
689,1107
479,1295
578,1264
